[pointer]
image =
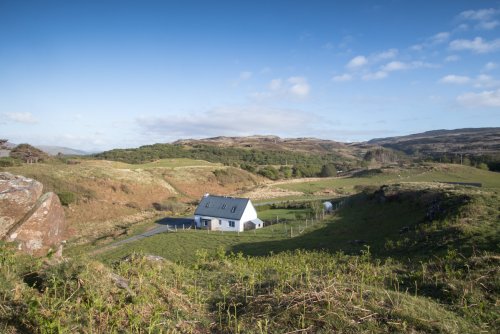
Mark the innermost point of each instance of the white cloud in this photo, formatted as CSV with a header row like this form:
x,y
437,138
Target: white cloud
x,y
479,15
299,86
230,121
488,25
375,76
489,66
342,77
485,81
481,81
439,38
384,55
293,87
485,18
399,66
455,79
477,45
483,99
275,84
395,66
21,117
436,39
357,62
452,58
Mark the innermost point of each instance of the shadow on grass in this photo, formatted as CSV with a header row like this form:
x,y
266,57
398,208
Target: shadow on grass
x,y
391,224
171,221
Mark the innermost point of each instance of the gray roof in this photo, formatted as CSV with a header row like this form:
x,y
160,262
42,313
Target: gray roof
x,y
222,207
257,221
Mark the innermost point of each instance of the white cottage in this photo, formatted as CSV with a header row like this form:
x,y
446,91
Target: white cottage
x,y
223,213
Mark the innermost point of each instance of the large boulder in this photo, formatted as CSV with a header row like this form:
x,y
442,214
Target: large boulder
x,y
35,222
18,196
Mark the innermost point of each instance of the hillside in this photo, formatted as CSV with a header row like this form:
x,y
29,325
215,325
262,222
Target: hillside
x,y
473,141
435,271
107,198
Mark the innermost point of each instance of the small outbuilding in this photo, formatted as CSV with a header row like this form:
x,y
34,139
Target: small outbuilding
x,y
222,213
328,207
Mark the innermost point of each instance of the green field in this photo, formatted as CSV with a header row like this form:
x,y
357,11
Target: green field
x,y
428,173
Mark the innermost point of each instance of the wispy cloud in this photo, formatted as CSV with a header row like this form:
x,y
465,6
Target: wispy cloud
x,y
293,87
455,79
452,58
357,62
374,76
230,121
342,77
439,38
395,66
244,76
485,19
384,55
21,117
476,45
490,99
489,66
276,84
299,86
481,81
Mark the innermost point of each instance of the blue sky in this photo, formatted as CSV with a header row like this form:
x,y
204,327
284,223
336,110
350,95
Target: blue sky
x,y
97,75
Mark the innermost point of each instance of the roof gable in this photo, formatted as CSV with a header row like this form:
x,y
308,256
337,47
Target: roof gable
x,y
222,206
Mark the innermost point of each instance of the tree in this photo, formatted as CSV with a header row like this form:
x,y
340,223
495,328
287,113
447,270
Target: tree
x,y
328,170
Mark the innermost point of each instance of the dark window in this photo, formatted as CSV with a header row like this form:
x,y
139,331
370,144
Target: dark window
x,y
224,205
220,222
231,223
207,205
233,209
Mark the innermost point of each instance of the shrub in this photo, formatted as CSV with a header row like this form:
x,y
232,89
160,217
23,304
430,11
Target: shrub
x,y
328,170
66,197
170,205
9,162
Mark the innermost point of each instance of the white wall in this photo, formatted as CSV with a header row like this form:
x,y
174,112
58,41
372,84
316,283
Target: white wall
x,y
248,214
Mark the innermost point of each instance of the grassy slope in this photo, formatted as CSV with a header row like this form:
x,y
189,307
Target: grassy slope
x,y
111,196
430,282
440,275
430,173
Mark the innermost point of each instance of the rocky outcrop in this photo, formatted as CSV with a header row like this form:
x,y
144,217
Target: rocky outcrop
x,y
35,221
18,195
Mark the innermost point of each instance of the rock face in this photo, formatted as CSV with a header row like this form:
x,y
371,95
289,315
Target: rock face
x,y
18,195
35,221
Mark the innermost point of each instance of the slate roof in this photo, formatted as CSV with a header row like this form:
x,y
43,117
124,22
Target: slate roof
x,y
222,207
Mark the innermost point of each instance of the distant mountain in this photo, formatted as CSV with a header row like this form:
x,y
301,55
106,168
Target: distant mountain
x,y
54,150
473,141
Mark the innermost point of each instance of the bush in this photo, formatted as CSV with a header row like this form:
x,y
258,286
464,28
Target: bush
x,y
170,205
328,170
66,197
9,162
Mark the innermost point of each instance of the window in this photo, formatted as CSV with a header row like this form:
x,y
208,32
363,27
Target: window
x,y
224,206
231,223
233,209
207,205
220,222
205,223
